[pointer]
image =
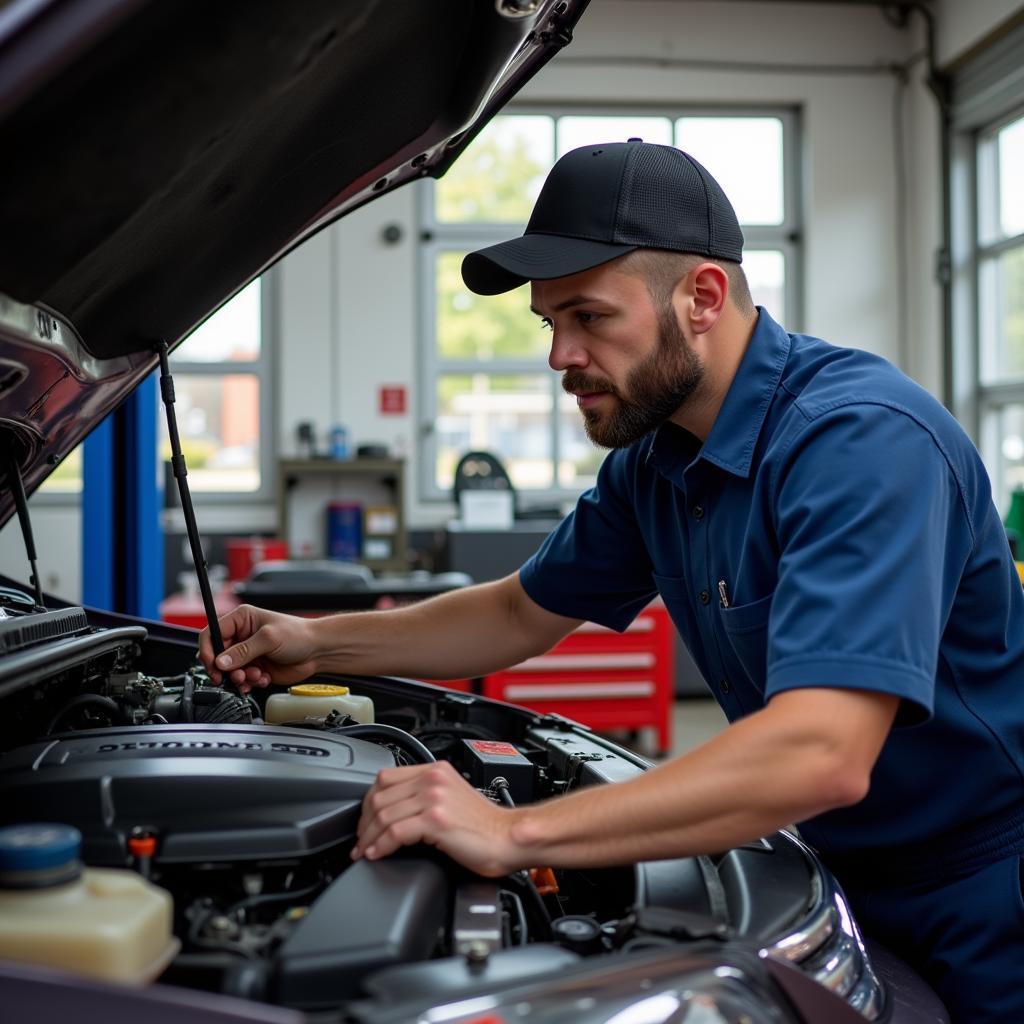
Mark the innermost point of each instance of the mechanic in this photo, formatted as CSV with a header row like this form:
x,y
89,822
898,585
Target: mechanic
x,y
823,534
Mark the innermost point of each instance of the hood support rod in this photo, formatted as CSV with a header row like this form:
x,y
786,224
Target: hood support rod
x,y
21,504
180,471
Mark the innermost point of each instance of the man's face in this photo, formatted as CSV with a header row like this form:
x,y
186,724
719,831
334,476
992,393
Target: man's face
x,y
628,363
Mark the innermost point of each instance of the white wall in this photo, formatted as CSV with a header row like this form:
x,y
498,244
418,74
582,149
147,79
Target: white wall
x,y
58,535
347,322
850,244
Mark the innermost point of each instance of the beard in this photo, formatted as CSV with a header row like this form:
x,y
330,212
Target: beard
x,y
655,388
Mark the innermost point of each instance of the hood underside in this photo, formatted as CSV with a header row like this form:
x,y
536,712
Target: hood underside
x,y
157,169
158,156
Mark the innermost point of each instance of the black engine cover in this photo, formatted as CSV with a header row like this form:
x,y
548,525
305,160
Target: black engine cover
x,y
210,793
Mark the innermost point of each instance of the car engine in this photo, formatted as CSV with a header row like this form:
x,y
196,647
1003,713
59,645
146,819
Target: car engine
x,y
250,827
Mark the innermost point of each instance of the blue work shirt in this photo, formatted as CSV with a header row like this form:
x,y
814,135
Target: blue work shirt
x,y
836,529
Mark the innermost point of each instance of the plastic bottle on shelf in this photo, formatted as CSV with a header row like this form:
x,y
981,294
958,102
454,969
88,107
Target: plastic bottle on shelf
x,y
339,442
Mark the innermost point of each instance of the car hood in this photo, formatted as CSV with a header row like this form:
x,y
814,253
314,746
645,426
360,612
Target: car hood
x,y
159,156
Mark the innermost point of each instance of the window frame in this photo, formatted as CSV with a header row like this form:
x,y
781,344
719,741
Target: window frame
x,y
437,237
986,97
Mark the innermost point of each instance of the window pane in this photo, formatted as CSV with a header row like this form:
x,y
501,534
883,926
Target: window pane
x,y
484,326
1001,286
580,458
583,131
745,155
506,414
766,275
67,477
500,174
1009,473
219,423
1011,178
232,333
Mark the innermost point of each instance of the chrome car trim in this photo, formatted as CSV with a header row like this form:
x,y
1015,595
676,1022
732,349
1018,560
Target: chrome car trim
x,y
828,944
841,968
808,939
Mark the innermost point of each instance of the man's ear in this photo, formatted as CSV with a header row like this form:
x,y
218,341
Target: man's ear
x,y
706,289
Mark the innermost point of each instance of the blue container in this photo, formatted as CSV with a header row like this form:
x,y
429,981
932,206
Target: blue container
x,y
339,442
345,530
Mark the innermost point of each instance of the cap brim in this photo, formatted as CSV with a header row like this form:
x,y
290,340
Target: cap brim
x,y
500,268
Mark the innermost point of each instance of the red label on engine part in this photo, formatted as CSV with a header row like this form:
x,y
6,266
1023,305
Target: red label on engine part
x,y
494,747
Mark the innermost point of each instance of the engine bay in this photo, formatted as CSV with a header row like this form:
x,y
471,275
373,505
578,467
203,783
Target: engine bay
x,y
250,826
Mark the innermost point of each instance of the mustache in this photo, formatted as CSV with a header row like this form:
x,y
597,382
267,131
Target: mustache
x,y
576,381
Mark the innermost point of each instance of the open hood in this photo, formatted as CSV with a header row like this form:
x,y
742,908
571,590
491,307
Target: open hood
x,y
159,156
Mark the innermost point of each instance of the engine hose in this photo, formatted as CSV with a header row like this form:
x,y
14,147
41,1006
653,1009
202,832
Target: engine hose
x,y
82,700
200,921
391,734
500,786
265,899
230,710
520,915
456,729
186,707
534,903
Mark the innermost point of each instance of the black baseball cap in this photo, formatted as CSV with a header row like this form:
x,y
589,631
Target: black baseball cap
x,y
600,202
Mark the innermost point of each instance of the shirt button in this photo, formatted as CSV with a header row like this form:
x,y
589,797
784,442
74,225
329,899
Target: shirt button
x,y
723,685
698,511
705,596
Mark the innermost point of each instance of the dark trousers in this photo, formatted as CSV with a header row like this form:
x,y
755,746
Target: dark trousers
x,y
964,935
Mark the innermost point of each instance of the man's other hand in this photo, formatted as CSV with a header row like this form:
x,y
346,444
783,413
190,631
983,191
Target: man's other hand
x,y
260,647
433,804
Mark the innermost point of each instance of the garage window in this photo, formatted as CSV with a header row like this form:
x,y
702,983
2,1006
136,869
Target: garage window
x,y
221,375
220,383
485,382
988,239
1000,285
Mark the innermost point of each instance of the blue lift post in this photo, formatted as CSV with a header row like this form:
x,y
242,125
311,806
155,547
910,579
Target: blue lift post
x,y
122,541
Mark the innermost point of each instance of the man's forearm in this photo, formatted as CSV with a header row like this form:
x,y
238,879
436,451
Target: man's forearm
x,y
461,634
760,774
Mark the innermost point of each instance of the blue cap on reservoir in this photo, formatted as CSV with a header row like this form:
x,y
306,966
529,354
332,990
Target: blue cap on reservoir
x,y
38,847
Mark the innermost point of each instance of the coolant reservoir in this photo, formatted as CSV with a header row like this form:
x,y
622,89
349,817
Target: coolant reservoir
x,y
108,923
316,699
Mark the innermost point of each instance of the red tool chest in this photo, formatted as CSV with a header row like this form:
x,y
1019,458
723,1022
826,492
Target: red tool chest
x,y
602,679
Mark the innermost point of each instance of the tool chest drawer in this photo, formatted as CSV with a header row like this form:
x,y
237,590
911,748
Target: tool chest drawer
x,y
600,678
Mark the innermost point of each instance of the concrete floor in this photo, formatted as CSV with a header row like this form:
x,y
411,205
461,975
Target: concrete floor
x,y
694,720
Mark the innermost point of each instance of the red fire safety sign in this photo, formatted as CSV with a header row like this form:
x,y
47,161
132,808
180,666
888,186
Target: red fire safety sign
x,y
392,400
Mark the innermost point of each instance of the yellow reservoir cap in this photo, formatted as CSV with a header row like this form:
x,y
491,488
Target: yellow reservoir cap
x,y
318,690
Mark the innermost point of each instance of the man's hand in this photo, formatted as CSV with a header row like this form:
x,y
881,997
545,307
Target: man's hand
x,y
260,647
433,804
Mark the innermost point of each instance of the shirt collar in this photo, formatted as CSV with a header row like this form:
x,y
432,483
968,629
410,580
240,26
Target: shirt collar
x,y
734,434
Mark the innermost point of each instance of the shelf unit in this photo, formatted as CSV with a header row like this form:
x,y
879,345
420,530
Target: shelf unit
x,y
305,486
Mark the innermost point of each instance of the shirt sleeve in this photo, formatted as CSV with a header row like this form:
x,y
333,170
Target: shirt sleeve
x,y
873,537
595,565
